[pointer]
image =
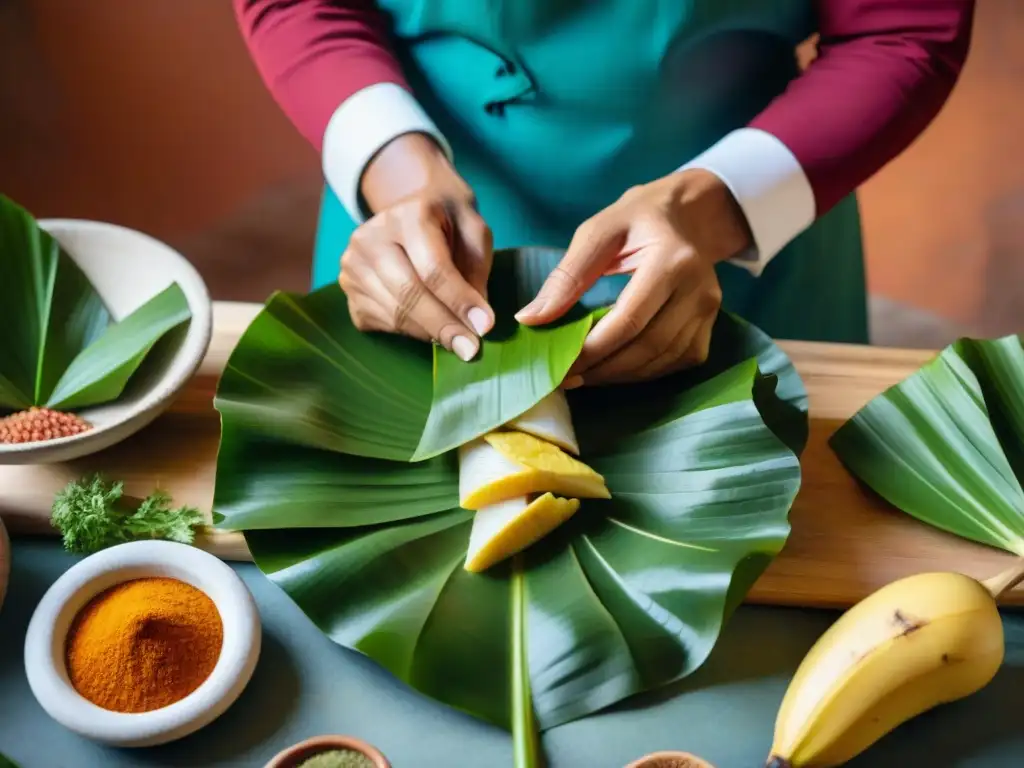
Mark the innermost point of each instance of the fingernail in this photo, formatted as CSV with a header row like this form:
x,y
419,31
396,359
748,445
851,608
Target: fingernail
x,y
535,307
572,382
464,348
480,320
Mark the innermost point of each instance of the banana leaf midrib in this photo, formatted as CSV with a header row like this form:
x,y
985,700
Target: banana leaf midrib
x,y
663,539
692,537
523,727
45,308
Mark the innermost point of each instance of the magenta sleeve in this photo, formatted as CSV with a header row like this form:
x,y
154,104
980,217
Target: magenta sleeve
x,y
884,69
314,54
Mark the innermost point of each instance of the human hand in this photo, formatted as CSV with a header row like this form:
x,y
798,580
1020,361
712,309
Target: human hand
x,y
670,234
419,266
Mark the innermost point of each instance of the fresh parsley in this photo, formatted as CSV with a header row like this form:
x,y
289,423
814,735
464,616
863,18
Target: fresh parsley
x,y
92,514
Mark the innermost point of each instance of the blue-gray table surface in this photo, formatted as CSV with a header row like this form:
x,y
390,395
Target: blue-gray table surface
x,y
305,685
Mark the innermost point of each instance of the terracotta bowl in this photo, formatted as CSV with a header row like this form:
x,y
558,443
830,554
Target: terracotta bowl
x,y
294,755
670,760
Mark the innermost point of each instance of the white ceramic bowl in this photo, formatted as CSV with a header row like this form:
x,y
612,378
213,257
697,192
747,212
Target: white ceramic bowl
x,y
127,268
47,632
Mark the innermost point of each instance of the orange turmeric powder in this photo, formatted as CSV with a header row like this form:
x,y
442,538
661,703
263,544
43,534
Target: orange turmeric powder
x,y
143,644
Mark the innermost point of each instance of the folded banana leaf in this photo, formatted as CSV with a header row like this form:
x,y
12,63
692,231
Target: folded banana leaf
x,y
336,462
60,347
946,445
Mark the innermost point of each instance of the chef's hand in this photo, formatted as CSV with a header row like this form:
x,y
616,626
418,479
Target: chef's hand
x,y
419,266
669,234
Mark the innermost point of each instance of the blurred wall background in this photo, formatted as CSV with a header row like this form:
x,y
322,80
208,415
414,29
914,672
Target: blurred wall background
x,y
151,115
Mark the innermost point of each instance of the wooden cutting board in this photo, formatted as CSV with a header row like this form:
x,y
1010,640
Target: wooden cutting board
x,y
845,543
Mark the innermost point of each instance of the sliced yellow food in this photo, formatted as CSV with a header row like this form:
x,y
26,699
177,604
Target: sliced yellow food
x,y
505,465
503,529
550,420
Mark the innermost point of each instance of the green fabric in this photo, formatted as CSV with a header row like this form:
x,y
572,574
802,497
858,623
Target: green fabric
x,y
585,118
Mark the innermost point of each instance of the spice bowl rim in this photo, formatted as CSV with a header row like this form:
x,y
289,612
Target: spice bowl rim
x,y
47,633
303,750
112,245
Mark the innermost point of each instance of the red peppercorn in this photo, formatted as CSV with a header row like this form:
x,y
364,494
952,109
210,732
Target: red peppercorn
x,y
37,424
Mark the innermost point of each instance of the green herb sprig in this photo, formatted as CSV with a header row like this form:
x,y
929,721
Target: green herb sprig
x,y
92,514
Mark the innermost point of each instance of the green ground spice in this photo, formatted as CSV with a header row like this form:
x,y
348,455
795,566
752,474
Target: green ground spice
x,y
338,758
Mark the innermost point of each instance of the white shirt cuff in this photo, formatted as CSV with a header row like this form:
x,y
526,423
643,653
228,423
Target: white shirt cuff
x,y
770,186
360,127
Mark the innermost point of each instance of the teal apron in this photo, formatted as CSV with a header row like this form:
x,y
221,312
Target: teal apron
x,y
553,108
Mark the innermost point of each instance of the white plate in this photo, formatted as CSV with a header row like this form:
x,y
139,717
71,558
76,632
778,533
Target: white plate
x,y
127,269
47,631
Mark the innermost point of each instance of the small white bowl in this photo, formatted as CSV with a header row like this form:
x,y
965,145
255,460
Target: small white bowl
x,y
47,633
127,268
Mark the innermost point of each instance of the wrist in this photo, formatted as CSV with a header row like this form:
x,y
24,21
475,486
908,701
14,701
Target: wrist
x,y
404,166
709,215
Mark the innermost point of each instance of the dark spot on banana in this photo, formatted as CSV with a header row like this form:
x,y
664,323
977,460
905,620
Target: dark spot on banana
x,y
905,624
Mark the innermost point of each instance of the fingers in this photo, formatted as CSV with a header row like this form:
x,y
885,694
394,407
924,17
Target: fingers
x,y
627,262
390,296
413,304
371,303
668,336
681,355
594,246
687,348
661,323
430,253
695,353
399,275
640,301
474,249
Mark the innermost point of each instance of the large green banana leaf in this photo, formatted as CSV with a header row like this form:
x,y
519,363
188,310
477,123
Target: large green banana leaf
x,y
322,465
946,445
60,347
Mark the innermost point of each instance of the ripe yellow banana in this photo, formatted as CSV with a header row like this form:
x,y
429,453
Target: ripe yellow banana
x,y
914,644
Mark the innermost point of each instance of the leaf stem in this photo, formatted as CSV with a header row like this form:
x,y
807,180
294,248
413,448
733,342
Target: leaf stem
x,y
1005,581
524,736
